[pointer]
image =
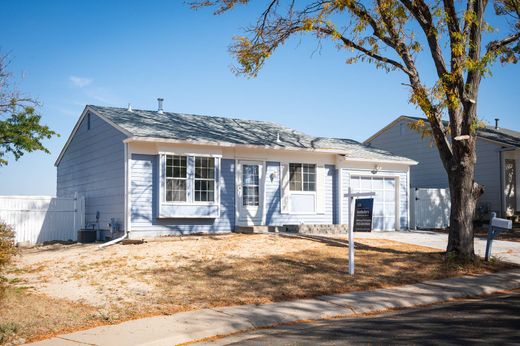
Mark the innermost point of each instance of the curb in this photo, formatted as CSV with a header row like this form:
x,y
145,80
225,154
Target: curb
x,y
192,326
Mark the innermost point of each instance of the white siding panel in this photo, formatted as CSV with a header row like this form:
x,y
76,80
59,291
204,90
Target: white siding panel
x,y
39,219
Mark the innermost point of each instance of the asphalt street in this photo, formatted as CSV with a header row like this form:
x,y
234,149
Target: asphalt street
x,y
490,321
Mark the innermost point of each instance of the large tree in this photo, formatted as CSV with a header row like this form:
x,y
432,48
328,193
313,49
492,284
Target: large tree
x,y
20,128
394,35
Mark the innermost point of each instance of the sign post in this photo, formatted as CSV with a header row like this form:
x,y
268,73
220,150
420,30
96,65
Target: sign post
x,y
362,219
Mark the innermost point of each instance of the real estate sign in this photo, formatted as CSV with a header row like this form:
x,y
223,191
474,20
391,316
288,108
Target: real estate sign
x,y
363,214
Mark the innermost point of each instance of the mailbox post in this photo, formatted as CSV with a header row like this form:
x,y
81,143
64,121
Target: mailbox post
x,y
496,226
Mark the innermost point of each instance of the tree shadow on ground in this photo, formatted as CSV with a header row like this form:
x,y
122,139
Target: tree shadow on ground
x,y
304,274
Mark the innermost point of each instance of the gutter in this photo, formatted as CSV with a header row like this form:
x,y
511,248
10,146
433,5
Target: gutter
x,y
252,146
408,162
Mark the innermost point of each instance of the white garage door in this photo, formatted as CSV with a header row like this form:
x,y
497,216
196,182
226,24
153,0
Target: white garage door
x,y
384,215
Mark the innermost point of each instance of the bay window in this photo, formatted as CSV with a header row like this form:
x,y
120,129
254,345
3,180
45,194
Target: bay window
x,y
189,179
176,177
204,179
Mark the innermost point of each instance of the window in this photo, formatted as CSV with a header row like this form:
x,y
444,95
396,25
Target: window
x,y
204,179
88,121
251,185
302,177
176,178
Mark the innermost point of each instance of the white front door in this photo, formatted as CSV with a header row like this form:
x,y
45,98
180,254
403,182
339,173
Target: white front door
x,y
384,215
250,192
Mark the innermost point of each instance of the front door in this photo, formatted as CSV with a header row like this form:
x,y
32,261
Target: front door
x,y
510,186
249,192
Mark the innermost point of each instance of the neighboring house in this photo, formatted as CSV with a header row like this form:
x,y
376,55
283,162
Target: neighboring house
x,y
498,157
159,173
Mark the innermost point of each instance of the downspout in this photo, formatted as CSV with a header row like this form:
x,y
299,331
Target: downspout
x,y
126,203
502,196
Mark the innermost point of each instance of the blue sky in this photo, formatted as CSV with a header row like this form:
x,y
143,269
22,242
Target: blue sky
x,y
71,53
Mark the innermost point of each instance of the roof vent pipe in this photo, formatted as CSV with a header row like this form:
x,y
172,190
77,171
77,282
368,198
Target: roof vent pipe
x,y
160,106
129,107
496,123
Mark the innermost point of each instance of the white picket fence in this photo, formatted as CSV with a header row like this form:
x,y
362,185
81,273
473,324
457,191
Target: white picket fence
x,y
36,219
430,208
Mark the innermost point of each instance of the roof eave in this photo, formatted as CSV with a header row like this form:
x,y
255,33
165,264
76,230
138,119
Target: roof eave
x,y
225,144
137,139
408,162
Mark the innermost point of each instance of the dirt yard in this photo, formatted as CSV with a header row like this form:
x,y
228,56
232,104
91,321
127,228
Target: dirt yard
x,y
68,287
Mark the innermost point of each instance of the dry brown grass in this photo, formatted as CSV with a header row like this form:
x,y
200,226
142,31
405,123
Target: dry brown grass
x,y
133,281
26,316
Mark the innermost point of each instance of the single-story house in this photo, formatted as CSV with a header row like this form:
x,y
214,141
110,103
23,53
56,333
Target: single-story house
x,y
498,156
159,173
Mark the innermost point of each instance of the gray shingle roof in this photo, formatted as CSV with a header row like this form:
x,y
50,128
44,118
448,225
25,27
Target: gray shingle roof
x,y
203,128
501,135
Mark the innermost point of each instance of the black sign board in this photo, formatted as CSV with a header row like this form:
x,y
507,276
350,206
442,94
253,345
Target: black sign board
x,y
363,215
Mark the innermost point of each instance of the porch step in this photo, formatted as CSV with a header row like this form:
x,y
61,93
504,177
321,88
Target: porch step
x,y
303,229
257,229
316,229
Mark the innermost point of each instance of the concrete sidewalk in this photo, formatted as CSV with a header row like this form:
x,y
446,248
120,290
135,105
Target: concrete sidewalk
x,y
196,325
508,251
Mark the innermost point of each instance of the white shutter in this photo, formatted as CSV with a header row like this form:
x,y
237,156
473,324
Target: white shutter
x,y
320,189
161,194
218,179
284,189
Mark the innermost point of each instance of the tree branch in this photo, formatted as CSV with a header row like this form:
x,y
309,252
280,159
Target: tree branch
x,y
422,14
424,102
351,44
495,46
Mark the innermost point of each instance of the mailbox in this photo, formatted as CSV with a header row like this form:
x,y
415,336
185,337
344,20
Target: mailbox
x,y
501,223
496,226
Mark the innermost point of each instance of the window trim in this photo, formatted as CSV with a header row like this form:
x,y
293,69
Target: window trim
x,y
301,178
166,178
214,179
190,198
259,185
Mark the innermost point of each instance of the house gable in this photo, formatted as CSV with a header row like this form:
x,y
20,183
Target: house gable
x,y
87,111
92,165
400,139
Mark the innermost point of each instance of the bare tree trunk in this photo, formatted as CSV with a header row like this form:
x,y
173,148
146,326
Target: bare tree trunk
x,y
464,196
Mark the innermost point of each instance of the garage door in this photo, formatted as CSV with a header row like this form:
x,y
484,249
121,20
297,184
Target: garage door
x,y
384,215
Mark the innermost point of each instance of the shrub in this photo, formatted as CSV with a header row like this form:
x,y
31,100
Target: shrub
x,y
7,250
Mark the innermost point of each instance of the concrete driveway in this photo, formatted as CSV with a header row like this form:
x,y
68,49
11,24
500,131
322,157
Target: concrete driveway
x,y
504,250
